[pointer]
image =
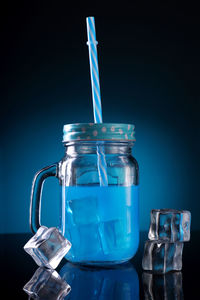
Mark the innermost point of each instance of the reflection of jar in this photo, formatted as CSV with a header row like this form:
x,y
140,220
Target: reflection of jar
x,y
120,282
100,220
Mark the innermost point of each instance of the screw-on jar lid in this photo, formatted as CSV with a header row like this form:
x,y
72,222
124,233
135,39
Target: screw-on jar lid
x,y
98,131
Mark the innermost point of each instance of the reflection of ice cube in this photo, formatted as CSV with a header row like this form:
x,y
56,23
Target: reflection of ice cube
x,y
170,224
168,286
47,284
162,257
47,247
84,210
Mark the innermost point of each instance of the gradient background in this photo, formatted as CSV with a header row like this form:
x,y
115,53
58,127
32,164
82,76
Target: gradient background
x,y
149,70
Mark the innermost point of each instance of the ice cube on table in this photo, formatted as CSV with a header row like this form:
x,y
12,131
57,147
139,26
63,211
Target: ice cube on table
x,y
168,286
170,225
47,284
84,210
162,257
47,247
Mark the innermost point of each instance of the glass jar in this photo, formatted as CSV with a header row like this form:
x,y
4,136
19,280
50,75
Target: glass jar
x,y
99,216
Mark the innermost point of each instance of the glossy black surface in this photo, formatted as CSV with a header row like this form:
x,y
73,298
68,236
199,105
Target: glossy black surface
x,y
121,282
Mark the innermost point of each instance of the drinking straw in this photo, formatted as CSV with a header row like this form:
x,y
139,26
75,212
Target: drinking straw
x,y
96,95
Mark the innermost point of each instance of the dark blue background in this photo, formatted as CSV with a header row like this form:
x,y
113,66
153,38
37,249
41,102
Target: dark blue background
x,y
149,71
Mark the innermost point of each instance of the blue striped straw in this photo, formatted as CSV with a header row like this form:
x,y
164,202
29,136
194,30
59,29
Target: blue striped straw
x,y
96,95
94,70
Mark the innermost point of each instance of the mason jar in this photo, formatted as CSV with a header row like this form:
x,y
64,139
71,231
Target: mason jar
x,y
98,179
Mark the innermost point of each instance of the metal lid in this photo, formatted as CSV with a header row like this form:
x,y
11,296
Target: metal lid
x,y
98,131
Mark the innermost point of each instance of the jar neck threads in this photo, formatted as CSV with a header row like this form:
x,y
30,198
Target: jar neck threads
x,y
90,147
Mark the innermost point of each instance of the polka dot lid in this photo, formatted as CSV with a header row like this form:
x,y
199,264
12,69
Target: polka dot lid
x,y
98,131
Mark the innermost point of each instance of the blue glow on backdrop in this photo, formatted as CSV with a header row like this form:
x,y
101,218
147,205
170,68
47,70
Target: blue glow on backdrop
x,y
145,79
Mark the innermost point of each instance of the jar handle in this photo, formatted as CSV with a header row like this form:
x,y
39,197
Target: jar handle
x,y
36,195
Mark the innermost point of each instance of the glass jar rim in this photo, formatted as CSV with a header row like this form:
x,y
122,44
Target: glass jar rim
x,y
99,132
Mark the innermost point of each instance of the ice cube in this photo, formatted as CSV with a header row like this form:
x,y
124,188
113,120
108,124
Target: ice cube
x,y
84,210
90,244
47,247
85,214
47,284
170,225
115,234
162,257
168,286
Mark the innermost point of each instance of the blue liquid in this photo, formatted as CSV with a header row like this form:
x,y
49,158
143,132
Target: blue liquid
x,y
101,223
